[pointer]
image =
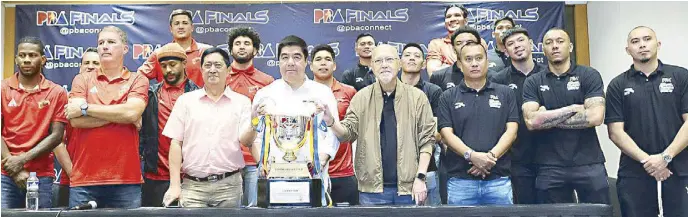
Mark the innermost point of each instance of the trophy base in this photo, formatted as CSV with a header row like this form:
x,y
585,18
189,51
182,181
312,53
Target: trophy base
x,y
289,193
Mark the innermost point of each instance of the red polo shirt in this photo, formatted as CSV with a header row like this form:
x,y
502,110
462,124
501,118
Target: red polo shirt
x,y
247,82
167,97
151,68
107,155
26,119
342,165
69,132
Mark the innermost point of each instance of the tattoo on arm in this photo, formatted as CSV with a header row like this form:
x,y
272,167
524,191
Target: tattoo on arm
x,y
580,120
541,120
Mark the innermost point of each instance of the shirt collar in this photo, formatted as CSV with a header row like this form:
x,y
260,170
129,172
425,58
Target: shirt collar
x,y
464,88
248,71
13,82
536,69
192,48
420,84
571,71
178,86
447,40
227,93
335,85
126,74
657,71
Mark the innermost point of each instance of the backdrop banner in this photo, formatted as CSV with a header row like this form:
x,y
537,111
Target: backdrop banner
x,y
67,30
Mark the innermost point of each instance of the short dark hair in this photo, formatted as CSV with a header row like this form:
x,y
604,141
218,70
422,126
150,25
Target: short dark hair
x,y
365,34
89,50
465,29
505,18
32,40
470,44
293,40
322,47
181,12
510,32
464,11
212,50
556,29
416,45
243,31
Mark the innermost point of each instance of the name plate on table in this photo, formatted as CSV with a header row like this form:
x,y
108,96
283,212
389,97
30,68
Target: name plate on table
x,y
290,192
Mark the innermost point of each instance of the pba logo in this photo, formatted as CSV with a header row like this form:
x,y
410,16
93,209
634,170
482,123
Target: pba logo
x,y
64,18
485,14
219,17
353,15
143,51
59,52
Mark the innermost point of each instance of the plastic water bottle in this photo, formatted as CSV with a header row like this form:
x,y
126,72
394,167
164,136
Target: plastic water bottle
x,y
32,192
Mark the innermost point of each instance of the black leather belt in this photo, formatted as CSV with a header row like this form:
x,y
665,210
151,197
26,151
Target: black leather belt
x,y
212,178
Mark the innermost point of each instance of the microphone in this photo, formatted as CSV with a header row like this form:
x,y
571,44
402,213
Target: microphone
x,y
89,205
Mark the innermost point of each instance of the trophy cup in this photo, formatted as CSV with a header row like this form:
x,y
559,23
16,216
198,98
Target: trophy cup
x,y
294,180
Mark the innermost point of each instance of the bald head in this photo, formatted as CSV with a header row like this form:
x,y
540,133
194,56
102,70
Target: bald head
x,y
642,45
644,30
385,62
383,49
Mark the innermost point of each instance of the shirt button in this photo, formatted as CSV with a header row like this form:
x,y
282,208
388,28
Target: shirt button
x,y
647,79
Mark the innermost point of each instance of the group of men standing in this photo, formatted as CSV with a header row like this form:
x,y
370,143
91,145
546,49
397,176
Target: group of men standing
x,y
480,127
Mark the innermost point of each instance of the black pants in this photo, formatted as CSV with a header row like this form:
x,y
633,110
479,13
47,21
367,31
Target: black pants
x,y
153,191
638,196
523,183
62,196
345,189
556,184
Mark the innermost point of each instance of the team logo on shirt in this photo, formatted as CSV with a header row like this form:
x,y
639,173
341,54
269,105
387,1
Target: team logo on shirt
x,y
573,84
544,88
513,86
450,85
492,64
252,89
666,86
341,99
494,102
43,103
12,103
628,91
358,80
459,105
93,90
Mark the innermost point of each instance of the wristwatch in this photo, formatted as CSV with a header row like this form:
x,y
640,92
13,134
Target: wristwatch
x,y
84,107
666,157
421,176
467,155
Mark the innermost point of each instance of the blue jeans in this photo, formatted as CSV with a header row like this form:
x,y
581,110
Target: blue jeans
x,y
107,196
479,192
432,184
14,197
250,174
388,196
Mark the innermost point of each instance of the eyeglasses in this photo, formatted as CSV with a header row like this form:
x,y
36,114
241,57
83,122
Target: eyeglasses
x,y
385,60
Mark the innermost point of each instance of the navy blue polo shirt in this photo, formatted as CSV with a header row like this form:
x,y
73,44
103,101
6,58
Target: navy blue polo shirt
x,y
523,149
388,140
447,77
565,147
358,77
651,109
479,119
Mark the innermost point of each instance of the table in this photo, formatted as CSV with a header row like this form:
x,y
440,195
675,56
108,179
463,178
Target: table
x,y
546,210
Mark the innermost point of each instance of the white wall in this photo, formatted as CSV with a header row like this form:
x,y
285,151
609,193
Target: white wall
x,y
608,27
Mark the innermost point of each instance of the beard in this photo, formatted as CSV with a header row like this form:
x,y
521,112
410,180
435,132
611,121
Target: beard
x,y
386,77
242,60
644,60
174,80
